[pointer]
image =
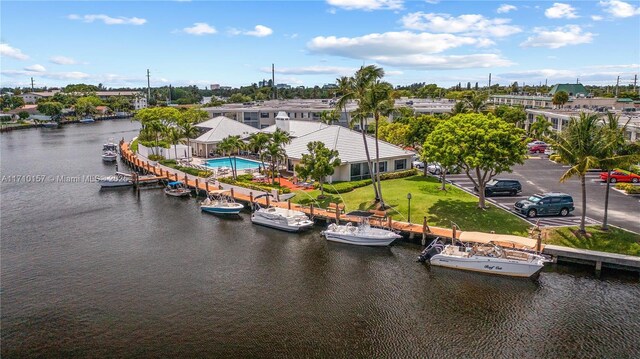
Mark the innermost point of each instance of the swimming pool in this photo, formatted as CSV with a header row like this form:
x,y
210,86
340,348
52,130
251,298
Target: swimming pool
x,y
241,163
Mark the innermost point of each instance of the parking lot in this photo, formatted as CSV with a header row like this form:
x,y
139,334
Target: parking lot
x,y
539,175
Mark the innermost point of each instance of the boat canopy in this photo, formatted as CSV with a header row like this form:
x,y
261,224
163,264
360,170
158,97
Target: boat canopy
x,y
506,240
174,183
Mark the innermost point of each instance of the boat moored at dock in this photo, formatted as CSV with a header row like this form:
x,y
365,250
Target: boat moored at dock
x,y
280,218
220,202
505,255
177,189
361,235
117,180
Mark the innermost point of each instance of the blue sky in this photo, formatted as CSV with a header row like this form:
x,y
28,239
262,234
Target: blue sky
x,y
314,42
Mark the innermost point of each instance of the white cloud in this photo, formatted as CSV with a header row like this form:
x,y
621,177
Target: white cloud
x,y
74,75
635,67
332,11
200,28
108,20
312,70
431,62
259,31
559,37
596,17
7,51
505,8
35,68
466,24
62,60
619,8
367,5
391,43
560,10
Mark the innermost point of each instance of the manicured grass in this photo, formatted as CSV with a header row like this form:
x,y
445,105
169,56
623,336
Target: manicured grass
x,y
134,146
614,240
440,207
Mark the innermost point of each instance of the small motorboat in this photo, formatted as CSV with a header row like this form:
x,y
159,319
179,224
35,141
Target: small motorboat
x,y
109,156
221,202
117,180
280,218
361,235
177,189
50,124
505,255
110,146
87,120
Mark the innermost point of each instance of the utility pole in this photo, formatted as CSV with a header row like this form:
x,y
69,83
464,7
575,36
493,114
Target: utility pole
x,y
274,89
617,83
489,83
635,82
32,90
148,88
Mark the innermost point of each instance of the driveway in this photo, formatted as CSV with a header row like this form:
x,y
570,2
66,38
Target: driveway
x,y
539,175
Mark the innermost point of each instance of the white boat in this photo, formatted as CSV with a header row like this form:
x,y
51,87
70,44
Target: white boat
x,y
87,120
177,189
220,202
50,124
362,235
505,255
280,218
117,180
110,146
109,156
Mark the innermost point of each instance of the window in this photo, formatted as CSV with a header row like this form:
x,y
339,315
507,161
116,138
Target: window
x,y
400,164
359,171
264,114
382,166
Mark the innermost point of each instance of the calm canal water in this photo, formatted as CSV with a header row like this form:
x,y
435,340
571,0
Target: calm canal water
x,y
91,273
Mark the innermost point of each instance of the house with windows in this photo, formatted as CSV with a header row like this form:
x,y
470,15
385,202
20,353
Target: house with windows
x,y
351,151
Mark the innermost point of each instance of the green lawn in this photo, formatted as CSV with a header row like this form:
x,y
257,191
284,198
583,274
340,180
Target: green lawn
x,y
614,241
440,207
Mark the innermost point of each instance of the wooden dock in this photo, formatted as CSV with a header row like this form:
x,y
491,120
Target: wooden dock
x,y
203,186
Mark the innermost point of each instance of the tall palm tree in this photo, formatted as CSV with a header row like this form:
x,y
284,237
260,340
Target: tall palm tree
x,y
188,130
157,128
380,102
173,134
614,134
360,118
477,102
258,143
581,145
329,117
275,153
234,145
540,127
459,107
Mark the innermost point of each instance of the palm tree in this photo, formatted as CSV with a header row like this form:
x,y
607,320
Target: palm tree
x,y
258,143
157,127
274,152
174,135
614,134
581,145
280,138
379,101
459,107
232,145
477,103
329,117
188,130
540,127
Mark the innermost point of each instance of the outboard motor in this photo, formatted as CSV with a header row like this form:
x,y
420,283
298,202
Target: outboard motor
x,y
431,250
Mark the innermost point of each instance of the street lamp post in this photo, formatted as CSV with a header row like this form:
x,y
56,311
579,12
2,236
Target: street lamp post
x,y
409,212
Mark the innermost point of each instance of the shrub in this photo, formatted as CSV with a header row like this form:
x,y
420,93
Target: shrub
x,y
156,158
344,187
628,187
134,146
168,163
635,169
244,178
152,143
399,174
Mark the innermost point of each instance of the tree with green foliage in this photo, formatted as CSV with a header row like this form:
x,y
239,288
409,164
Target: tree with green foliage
x,y
275,154
86,106
540,127
166,115
581,145
459,107
481,145
232,145
616,154
329,117
173,135
560,98
476,101
238,98
319,163
419,128
119,104
23,115
80,89
186,124
512,114
50,108
396,133
258,143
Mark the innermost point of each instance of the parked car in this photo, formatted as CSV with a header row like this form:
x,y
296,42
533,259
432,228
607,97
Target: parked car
x,y
547,204
535,143
619,175
436,169
418,164
501,186
538,148
549,151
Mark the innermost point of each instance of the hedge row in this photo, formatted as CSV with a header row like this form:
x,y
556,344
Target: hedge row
x,y
344,187
245,181
629,188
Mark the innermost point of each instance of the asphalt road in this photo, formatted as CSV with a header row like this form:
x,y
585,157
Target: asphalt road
x,y
539,175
